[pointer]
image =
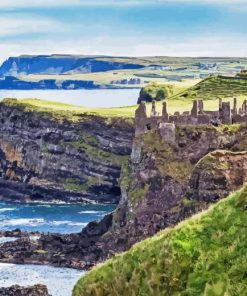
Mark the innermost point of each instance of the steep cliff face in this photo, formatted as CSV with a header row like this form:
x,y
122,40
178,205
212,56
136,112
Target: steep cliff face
x,y
60,64
162,184
165,182
48,158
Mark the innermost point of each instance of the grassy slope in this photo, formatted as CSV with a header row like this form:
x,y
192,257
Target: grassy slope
x,y
70,112
183,70
209,89
214,87
204,255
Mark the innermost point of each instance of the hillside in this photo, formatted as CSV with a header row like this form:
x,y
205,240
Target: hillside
x,y
216,86
204,255
60,64
81,71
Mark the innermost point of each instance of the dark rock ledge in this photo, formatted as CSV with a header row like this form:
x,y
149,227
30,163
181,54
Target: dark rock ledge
x,y
37,290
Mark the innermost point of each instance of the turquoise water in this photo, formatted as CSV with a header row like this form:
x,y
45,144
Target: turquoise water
x,y
61,218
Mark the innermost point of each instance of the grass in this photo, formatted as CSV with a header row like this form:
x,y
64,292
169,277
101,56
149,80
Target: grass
x,y
214,87
202,256
70,112
210,89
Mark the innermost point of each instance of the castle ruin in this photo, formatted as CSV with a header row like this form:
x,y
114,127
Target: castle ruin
x,y
197,116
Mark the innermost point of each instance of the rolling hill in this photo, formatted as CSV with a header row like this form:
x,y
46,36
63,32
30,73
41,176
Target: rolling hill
x,y
217,86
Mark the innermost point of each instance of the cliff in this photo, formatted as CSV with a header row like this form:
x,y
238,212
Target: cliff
x,y
204,255
63,64
11,82
47,155
165,182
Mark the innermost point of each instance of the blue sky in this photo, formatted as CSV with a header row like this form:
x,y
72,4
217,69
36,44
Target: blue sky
x,y
124,27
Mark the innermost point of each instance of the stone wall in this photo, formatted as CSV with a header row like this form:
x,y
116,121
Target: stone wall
x,y
197,116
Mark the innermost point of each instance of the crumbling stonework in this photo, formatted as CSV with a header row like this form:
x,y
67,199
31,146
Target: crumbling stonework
x,y
197,116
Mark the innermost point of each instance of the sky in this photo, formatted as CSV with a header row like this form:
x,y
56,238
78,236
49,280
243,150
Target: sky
x,y
123,27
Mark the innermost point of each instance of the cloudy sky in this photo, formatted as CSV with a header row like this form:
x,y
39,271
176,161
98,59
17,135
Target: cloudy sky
x,y
124,27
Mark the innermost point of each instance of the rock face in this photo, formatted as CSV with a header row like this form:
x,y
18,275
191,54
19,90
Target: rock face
x,y
60,64
163,183
11,82
43,158
37,290
217,174
77,250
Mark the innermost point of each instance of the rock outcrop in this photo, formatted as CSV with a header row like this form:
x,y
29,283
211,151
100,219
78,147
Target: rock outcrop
x,y
163,183
167,182
37,290
43,157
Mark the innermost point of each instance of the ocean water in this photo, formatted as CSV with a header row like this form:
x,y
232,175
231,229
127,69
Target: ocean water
x,y
61,218
59,281
83,97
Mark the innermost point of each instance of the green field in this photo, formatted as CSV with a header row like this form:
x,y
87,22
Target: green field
x,y
184,72
210,89
216,87
204,255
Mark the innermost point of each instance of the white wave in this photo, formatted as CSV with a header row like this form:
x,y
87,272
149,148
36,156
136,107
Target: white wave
x,y
91,212
24,221
60,281
7,239
40,221
6,210
70,223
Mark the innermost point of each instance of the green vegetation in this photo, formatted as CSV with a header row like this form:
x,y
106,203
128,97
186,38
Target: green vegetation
x,y
98,153
75,185
178,70
155,91
61,111
165,157
204,255
210,89
215,87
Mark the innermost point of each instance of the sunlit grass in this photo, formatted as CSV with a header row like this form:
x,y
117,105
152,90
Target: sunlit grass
x,y
204,255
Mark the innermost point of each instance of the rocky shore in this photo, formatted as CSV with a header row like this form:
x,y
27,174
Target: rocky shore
x,y
37,290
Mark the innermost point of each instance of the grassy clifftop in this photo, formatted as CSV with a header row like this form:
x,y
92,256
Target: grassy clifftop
x,y
210,89
204,255
215,86
70,112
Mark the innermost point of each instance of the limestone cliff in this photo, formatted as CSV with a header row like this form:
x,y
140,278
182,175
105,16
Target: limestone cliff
x,y
47,158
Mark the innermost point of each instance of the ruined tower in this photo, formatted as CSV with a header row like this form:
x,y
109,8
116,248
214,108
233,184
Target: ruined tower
x,y
140,119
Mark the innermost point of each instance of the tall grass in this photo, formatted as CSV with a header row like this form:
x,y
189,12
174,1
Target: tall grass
x,y
204,255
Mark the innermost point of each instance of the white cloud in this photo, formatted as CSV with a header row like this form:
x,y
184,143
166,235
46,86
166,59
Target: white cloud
x,y
26,23
105,45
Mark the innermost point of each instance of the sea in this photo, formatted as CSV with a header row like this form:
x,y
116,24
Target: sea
x,y
60,218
